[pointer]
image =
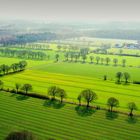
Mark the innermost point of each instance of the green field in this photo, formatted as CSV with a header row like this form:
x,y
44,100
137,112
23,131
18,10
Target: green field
x,y
65,123
74,77
47,119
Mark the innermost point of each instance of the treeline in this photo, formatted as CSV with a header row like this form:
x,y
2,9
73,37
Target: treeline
x,y
23,54
27,38
114,34
87,95
31,46
82,57
15,67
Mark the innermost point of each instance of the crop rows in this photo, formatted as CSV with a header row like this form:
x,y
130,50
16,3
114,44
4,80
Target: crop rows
x,y
63,123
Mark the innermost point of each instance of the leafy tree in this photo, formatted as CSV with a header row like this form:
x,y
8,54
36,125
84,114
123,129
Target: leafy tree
x,y
66,55
57,57
120,51
15,67
112,102
23,135
27,87
126,77
115,60
132,106
76,57
22,65
71,56
91,59
17,85
1,84
59,47
4,68
105,77
89,96
84,57
107,59
79,98
102,60
97,59
52,91
123,62
62,94
119,76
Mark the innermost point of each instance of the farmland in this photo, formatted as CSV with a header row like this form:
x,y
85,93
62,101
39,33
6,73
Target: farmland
x,y
17,113
69,122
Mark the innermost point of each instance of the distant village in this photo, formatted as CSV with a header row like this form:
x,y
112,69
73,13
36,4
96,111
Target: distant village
x,y
129,45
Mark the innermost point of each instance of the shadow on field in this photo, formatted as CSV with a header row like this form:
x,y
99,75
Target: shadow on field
x,y
22,97
54,104
111,115
84,111
131,120
13,95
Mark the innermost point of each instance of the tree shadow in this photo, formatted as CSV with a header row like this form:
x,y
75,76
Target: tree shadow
x,y
131,120
126,83
22,97
13,95
54,104
90,62
84,111
111,115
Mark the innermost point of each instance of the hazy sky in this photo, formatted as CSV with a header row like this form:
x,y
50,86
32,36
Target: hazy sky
x,y
67,10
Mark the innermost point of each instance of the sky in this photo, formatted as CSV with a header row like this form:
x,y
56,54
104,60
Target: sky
x,y
71,10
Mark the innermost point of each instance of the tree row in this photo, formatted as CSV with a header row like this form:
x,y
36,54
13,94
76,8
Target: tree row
x,y
15,67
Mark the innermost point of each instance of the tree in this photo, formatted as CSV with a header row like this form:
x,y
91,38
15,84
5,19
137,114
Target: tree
x,y
89,96
71,56
66,55
23,135
126,77
132,106
76,57
107,59
4,68
17,85
119,76
120,51
91,59
79,98
1,84
84,57
52,91
59,47
112,102
22,65
102,60
123,62
115,60
97,59
57,57
27,87
62,94
105,77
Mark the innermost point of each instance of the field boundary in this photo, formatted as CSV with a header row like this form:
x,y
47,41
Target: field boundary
x,y
44,97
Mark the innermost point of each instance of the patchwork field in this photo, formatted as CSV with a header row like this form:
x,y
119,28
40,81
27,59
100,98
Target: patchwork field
x,y
47,119
67,122
74,77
